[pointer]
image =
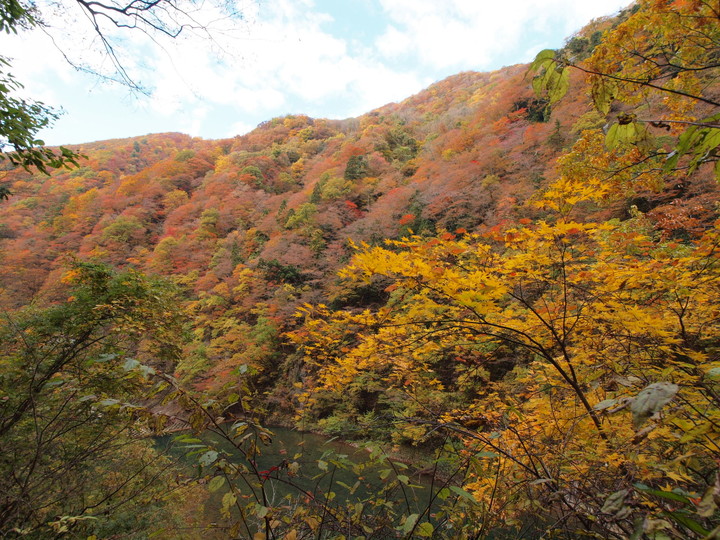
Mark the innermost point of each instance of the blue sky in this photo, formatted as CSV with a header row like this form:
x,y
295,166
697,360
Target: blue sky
x,y
324,58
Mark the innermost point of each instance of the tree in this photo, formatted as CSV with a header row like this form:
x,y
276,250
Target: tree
x,y
72,407
659,54
356,168
160,18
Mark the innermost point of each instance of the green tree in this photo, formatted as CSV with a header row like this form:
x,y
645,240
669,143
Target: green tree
x,y
302,216
73,450
356,168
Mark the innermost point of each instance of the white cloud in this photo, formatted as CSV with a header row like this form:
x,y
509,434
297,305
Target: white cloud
x,y
34,61
471,33
287,61
194,120
239,128
394,43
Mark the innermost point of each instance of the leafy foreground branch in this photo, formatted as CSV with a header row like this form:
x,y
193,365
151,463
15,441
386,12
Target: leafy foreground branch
x,y
660,58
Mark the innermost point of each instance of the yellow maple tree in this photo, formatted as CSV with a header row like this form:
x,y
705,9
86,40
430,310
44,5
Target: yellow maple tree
x,y
613,386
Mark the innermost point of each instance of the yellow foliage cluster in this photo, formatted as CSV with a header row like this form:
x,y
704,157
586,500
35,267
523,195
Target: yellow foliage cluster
x,y
613,337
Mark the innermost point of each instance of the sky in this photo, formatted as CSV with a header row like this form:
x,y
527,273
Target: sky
x,y
324,58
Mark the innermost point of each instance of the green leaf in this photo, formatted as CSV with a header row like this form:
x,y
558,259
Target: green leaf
x,y
425,529
606,404
409,523
540,82
560,85
216,483
130,364
261,511
109,402
638,530
352,488
688,522
627,133
701,140
663,494
187,439
542,58
603,94
611,137
147,370
228,500
403,479
208,458
709,140
461,492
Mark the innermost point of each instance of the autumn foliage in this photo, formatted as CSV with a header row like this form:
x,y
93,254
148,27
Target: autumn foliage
x,y
517,270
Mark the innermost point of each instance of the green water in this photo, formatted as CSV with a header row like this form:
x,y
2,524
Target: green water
x,y
296,464
327,470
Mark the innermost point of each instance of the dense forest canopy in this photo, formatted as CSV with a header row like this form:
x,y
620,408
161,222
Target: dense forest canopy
x,y
515,272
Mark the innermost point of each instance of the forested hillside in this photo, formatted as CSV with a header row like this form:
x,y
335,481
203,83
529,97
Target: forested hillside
x,y
517,271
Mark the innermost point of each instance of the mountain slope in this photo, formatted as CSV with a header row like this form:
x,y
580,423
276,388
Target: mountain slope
x,y
257,225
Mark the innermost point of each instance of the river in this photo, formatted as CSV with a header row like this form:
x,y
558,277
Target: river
x,y
297,464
